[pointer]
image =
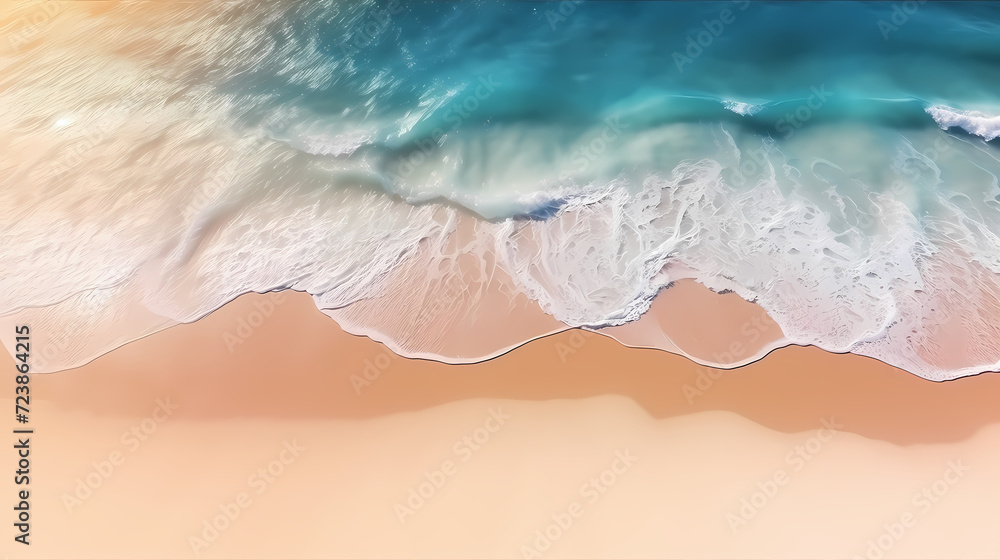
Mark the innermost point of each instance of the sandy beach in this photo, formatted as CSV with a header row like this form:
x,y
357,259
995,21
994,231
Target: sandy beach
x,y
489,279
266,431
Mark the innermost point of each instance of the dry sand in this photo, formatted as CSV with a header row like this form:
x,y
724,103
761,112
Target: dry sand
x,y
694,462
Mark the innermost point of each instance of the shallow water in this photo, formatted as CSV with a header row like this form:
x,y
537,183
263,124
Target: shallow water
x,y
829,161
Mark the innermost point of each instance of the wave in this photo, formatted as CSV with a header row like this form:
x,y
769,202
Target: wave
x,y
253,156
742,108
973,122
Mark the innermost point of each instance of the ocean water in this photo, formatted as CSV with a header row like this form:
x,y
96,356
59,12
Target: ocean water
x,y
834,162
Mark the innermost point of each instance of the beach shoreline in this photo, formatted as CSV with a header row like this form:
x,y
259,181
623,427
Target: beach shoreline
x,y
269,370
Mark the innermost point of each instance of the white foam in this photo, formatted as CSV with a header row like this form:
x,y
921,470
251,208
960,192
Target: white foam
x,y
741,108
322,144
208,212
973,122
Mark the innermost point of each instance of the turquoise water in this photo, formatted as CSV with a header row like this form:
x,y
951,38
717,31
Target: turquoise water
x,y
674,60
833,161
419,89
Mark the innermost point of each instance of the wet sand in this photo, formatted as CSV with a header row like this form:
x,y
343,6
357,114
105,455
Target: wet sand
x,y
801,454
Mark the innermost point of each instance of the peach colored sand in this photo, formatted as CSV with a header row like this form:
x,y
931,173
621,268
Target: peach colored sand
x,y
321,444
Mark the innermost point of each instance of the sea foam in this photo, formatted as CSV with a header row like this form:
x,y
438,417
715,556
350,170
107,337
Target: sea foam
x,y
741,108
253,157
973,122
